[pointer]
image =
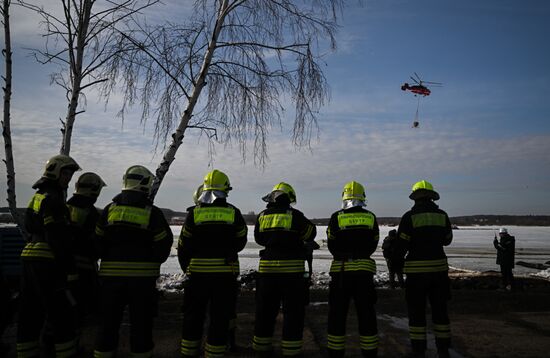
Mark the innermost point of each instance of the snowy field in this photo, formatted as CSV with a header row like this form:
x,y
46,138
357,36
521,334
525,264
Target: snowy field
x,y
472,249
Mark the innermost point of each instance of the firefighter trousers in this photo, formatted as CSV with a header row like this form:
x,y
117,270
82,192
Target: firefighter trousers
x,y
434,287
343,288
214,293
291,291
140,295
46,313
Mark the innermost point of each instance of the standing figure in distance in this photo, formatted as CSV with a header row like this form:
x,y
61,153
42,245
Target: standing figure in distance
x,y
133,240
48,265
352,236
393,270
285,233
84,216
423,232
505,257
213,234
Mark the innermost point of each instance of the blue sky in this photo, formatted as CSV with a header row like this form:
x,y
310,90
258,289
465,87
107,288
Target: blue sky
x,y
483,139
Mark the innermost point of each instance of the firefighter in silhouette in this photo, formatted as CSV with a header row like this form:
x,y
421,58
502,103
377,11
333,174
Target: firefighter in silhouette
x,y
423,232
213,234
285,233
133,240
506,247
84,216
352,236
48,267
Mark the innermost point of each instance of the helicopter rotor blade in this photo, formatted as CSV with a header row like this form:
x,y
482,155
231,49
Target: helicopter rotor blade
x,y
415,81
417,76
434,83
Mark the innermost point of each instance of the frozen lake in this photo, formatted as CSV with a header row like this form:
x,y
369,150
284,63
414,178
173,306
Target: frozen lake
x,y
472,249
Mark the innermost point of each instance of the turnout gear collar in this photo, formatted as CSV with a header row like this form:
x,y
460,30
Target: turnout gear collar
x,y
209,196
423,190
353,203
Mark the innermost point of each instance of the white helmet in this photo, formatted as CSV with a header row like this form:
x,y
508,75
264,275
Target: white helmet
x,y
503,230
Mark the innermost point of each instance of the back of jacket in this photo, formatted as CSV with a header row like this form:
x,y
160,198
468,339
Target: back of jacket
x,y
423,232
84,217
506,248
284,232
353,236
133,237
211,238
47,223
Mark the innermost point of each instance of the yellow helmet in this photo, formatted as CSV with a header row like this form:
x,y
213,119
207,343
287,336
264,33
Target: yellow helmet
x,y
55,164
89,184
353,191
287,189
138,178
423,189
216,180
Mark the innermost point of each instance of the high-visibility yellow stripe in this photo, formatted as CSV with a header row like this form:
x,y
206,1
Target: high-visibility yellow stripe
x,y
417,333
48,219
368,342
160,236
262,344
291,348
214,351
442,330
275,222
78,215
307,233
368,265
147,354
129,269
190,348
36,202
28,349
186,232
242,232
281,266
110,354
428,219
99,231
37,249
422,266
66,349
129,214
213,265
336,342
213,214
349,220
405,236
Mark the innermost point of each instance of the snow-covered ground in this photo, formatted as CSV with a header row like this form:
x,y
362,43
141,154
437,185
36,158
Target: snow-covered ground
x,y
472,250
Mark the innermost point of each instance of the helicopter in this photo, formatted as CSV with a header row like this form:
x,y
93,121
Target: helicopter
x,y
419,88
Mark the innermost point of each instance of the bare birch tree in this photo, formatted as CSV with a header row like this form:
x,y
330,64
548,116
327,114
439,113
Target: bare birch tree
x,y
232,66
6,121
82,40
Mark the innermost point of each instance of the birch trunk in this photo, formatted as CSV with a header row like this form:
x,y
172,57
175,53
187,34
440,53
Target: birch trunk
x,y
76,76
177,136
6,129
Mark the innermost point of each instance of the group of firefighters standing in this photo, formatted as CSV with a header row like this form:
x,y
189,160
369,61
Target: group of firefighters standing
x,y
131,239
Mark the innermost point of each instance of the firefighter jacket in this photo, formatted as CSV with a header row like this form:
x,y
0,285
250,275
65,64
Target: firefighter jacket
x,y
353,236
49,234
83,216
211,238
133,237
423,231
505,250
286,234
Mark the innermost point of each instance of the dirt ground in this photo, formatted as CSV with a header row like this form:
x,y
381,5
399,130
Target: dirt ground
x,y
485,322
